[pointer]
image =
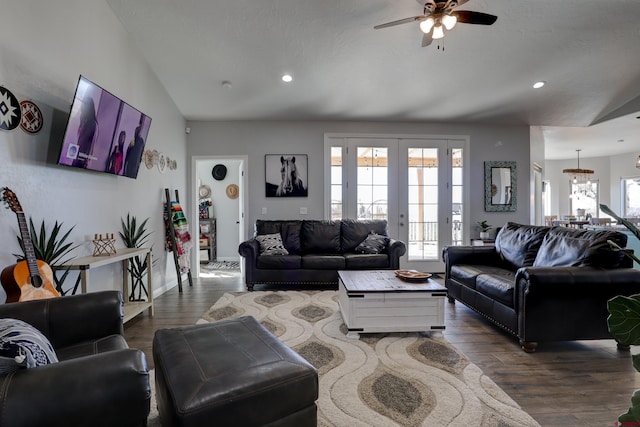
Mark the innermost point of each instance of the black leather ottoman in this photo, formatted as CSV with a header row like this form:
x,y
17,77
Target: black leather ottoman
x,y
231,373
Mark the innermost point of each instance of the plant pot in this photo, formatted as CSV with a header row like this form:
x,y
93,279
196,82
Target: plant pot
x,y
484,234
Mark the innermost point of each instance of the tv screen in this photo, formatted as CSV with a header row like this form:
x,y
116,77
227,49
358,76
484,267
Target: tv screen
x,y
104,133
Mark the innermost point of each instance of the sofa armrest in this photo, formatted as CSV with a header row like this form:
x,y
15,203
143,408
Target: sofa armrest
x,y
71,319
250,249
395,249
559,303
482,255
107,389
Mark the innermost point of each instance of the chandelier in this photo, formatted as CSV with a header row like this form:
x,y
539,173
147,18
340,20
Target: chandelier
x,y
579,175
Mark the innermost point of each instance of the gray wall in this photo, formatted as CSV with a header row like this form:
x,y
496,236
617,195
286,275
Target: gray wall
x,y
257,138
44,47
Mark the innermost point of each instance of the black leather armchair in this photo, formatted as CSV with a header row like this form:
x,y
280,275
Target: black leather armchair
x,y
99,381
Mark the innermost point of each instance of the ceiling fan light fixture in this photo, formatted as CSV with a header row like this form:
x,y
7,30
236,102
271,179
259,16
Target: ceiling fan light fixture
x,y
427,25
438,32
449,21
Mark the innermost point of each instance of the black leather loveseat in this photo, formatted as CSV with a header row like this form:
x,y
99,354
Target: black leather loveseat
x,y
542,283
98,380
316,250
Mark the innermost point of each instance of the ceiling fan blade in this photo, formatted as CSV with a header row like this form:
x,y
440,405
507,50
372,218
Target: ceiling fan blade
x,y
470,17
426,39
400,21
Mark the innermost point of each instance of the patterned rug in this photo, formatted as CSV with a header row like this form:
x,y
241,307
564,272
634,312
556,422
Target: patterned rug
x,y
221,265
400,379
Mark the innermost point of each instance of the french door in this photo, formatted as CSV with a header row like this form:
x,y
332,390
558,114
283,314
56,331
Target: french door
x,y
416,184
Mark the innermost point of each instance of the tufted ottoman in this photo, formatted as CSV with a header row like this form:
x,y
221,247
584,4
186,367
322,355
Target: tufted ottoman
x,y
231,373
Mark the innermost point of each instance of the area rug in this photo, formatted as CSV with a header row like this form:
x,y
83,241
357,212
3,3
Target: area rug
x,y
399,379
221,265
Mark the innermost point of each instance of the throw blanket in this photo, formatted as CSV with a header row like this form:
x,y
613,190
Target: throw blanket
x,y
182,235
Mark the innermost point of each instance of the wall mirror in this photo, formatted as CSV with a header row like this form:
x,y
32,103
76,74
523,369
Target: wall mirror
x,y
500,187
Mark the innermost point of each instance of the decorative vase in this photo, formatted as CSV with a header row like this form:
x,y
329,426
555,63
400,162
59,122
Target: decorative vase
x,y
484,234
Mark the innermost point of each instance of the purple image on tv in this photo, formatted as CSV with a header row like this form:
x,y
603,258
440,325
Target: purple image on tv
x,y
104,133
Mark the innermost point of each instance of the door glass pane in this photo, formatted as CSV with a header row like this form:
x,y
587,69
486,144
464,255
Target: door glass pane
x,y
422,218
457,192
336,183
372,176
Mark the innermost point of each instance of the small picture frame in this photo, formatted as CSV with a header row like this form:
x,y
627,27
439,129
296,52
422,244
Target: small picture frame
x,y
286,175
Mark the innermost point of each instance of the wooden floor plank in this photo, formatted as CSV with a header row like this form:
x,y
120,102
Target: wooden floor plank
x,y
585,383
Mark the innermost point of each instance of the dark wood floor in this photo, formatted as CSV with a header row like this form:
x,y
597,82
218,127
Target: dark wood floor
x,y
586,383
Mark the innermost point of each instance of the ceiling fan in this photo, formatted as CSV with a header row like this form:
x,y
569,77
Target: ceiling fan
x,y
439,14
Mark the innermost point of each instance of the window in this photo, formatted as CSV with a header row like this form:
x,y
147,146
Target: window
x,y
583,199
631,197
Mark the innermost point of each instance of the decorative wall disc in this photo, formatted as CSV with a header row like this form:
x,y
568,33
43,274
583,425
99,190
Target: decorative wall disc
x,y
32,120
162,162
10,113
148,159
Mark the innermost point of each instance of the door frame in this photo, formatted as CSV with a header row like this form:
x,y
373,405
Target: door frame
x,y
243,180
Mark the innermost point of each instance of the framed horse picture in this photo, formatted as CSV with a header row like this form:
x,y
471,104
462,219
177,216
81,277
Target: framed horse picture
x,y
286,175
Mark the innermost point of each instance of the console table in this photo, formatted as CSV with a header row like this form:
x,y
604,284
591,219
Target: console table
x,y
85,264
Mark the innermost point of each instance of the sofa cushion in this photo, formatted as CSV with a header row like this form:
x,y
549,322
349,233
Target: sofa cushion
x,y
323,262
97,346
518,244
277,262
366,261
597,253
320,237
562,251
373,244
291,236
497,286
271,244
353,231
267,227
20,340
467,273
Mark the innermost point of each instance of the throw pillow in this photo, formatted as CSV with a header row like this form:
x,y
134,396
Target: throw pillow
x,y
562,251
373,244
25,344
271,244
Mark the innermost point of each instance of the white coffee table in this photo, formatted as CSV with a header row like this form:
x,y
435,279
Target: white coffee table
x,y
377,301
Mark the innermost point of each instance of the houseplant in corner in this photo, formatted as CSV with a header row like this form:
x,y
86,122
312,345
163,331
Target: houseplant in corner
x,y
484,229
624,321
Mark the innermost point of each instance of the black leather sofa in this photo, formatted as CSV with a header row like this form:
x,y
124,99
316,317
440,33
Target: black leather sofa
x,y
316,251
98,380
542,283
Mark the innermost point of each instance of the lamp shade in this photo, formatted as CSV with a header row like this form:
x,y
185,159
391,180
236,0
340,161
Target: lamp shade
x,y
438,32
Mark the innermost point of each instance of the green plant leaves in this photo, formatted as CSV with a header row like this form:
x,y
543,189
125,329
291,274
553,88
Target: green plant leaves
x,y
633,414
624,319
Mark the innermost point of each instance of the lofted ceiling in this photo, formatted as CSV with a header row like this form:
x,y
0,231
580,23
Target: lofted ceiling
x,y
587,51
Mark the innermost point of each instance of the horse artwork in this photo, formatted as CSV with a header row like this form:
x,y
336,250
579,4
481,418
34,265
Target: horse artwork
x,y
286,175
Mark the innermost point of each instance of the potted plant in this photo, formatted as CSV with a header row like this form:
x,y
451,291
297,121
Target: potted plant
x,y
135,235
624,322
484,229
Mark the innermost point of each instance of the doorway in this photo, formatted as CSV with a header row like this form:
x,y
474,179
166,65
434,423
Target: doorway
x,y
223,182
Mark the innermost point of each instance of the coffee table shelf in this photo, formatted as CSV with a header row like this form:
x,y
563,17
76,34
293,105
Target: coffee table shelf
x,y
377,301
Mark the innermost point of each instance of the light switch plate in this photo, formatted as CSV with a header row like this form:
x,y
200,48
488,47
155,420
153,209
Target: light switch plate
x,y
303,211
264,211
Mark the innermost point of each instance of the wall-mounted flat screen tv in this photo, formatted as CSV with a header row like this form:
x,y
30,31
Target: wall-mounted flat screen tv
x,y
104,133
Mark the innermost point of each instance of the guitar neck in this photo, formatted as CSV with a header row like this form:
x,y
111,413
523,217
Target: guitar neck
x,y
29,251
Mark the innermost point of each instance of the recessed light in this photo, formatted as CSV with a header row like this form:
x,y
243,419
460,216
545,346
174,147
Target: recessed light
x,y
538,85
287,78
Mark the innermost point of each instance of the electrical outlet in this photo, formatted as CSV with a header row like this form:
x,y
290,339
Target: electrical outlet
x,y
264,211
303,211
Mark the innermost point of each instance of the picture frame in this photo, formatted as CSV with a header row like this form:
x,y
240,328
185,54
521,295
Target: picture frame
x,y
286,175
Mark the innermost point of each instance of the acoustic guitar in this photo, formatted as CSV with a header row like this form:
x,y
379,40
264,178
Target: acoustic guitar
x,y
30,279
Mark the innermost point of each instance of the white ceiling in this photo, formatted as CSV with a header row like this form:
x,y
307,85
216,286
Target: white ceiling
x,y
588,52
